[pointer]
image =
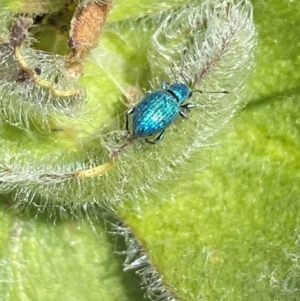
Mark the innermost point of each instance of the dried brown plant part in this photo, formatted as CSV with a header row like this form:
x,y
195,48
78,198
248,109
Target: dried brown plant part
x,y
32,75
19,31
34,85
86,28
132,95
74,69
19,34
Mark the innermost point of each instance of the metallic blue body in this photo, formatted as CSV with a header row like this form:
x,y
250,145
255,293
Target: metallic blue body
x,y
157,110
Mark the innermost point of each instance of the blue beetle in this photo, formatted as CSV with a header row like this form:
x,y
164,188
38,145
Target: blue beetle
x,y
158,109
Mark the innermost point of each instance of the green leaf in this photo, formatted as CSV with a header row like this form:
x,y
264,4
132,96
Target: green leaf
x,y
182,44
231,229
34,7
52,259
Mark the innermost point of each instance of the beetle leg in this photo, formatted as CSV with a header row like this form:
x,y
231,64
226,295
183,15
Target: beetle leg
x,y
129,112
157,139
164,85
188,106
182,114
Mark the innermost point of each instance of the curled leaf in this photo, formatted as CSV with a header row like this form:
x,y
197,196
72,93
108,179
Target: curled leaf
x,y
211,45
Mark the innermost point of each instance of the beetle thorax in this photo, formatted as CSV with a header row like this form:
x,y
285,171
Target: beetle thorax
x,y
182,91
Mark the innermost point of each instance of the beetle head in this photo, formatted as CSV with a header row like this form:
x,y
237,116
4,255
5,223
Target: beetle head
x,y
182,91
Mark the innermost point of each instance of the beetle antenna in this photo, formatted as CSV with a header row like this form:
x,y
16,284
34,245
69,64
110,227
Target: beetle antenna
x,y
204,92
